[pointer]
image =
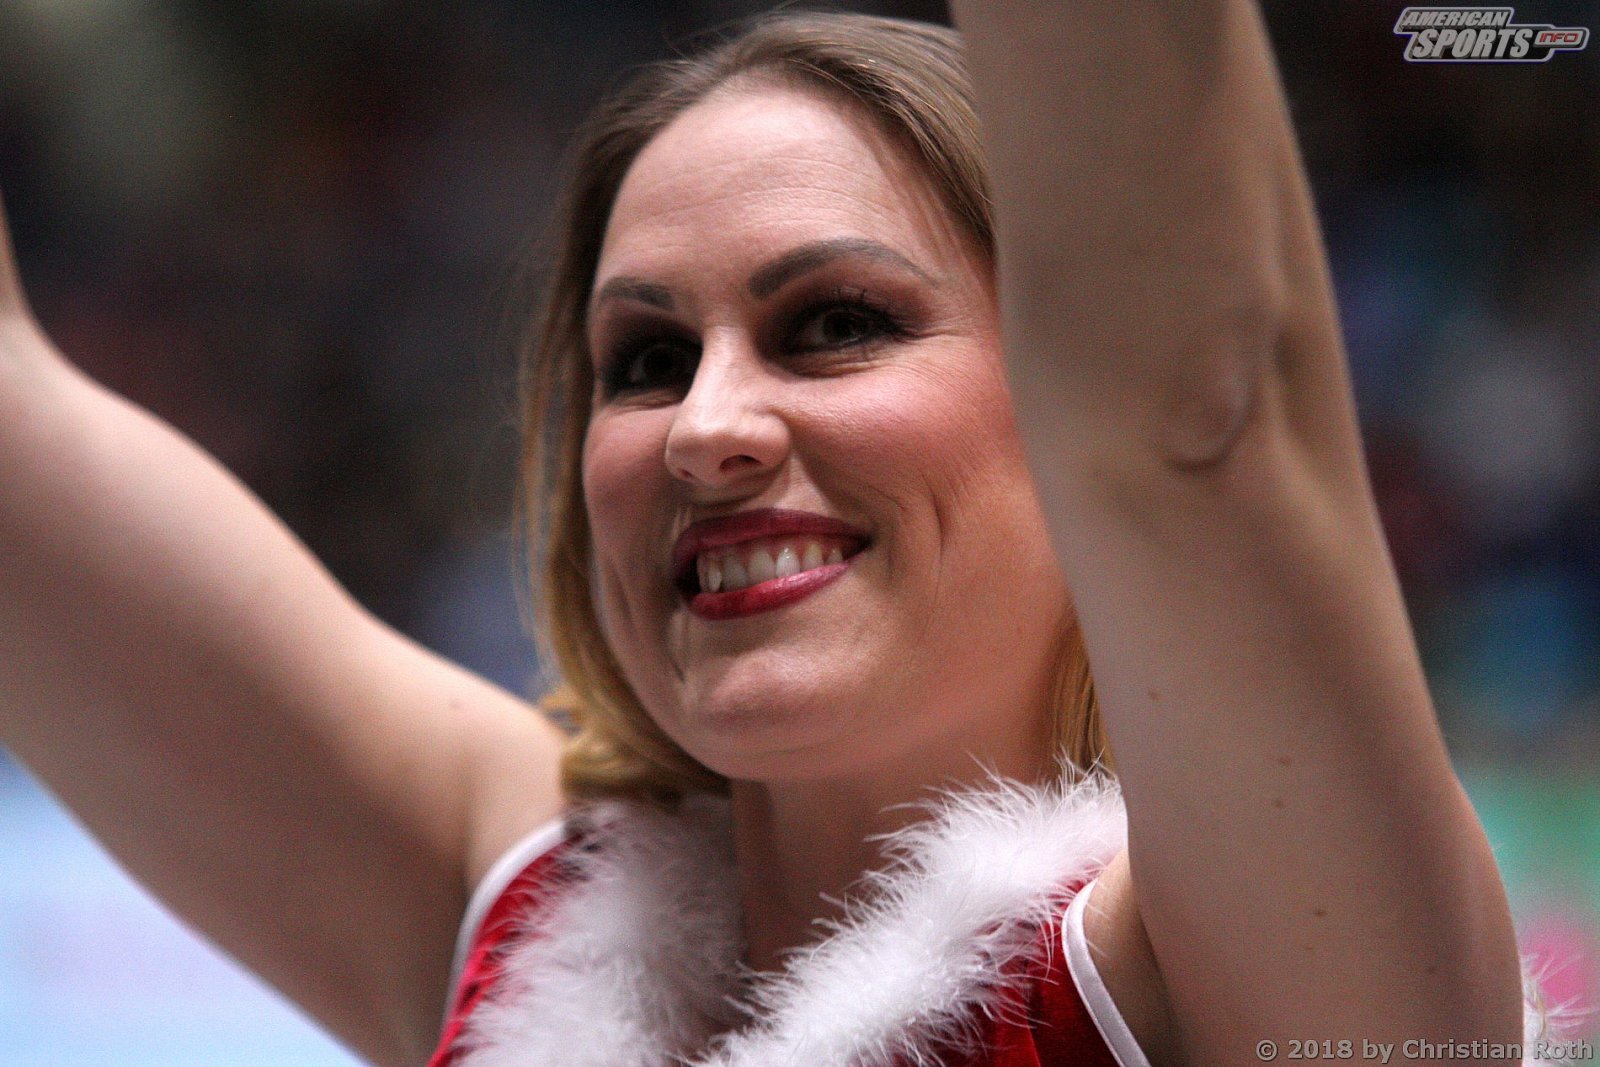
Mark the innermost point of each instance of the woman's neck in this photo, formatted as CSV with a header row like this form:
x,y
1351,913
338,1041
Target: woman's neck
x,y
802,847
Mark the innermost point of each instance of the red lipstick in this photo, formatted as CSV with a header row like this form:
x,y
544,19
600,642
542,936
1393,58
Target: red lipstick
x,y
749,526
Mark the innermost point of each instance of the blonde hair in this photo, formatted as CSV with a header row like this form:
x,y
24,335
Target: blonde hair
x,y
911,79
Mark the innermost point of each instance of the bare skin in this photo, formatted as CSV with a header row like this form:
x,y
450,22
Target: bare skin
x,y
309,788
319,795
931,659
1295,826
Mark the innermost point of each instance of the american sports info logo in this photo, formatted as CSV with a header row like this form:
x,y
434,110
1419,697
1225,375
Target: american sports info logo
x,y
1482,35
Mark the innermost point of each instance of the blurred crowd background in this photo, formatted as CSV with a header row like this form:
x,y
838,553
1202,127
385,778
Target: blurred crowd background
x,y
294,230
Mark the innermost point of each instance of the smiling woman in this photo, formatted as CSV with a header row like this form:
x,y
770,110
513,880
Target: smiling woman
x,y
886,418
834,526
865,244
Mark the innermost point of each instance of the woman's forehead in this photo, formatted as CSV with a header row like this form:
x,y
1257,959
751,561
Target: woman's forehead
x,y
753,170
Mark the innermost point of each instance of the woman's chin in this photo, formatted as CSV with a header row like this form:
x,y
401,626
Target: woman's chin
x,y
770,736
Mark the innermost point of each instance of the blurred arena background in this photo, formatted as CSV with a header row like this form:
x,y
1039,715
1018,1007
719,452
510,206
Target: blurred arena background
x,y
290,229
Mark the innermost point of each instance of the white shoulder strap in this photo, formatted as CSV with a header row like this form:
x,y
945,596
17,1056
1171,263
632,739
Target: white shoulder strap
x,y
1080,964
505,869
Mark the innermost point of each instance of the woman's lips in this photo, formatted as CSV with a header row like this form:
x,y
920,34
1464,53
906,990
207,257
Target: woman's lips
x,y
764,596
757,552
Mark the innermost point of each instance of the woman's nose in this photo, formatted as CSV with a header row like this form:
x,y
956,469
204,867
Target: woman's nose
x,y
726,431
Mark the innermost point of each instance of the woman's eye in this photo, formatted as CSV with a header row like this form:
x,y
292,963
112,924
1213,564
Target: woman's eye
x,y
844,325
840,327
653,364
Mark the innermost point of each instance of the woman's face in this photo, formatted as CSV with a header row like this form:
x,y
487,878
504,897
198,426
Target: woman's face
x,y
818,549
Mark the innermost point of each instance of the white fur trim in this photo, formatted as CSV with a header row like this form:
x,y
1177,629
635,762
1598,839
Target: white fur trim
x,y
637,965
1555,1024
632,966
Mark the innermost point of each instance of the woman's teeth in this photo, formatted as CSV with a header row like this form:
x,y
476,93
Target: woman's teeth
x,y
724,570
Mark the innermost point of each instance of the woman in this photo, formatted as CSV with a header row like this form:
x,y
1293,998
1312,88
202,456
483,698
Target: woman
x,y
781,285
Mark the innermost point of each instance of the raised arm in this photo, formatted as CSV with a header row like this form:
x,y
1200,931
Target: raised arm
x,y
1303,862
301,783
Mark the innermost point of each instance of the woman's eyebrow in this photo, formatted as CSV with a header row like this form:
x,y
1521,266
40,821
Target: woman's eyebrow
x,y
770,276
775,274
626,287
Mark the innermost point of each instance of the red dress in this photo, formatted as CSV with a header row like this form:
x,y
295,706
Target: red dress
x,y
1043,1019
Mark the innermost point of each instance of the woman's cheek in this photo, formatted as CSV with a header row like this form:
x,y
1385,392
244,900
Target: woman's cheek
x,y
621,453
622,459
944,421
